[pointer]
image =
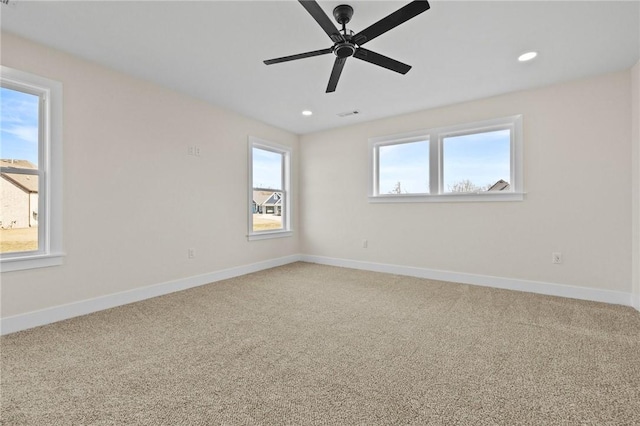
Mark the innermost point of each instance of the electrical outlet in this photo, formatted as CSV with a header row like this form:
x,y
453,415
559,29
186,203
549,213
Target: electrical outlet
x,y
556,258
191,253
365,243
193,151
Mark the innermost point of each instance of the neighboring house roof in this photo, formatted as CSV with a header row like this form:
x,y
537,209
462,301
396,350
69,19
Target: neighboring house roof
x,y
500,185
18,164
259,197
28,183
274,200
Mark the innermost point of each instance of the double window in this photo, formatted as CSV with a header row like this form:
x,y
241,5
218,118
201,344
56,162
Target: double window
x,y
30,171
471,162
269,190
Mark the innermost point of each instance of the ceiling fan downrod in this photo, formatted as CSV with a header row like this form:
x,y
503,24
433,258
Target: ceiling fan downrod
x,y
345,48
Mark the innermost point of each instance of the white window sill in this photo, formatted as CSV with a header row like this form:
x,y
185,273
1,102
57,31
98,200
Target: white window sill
x,y
268,235
21,263
446,198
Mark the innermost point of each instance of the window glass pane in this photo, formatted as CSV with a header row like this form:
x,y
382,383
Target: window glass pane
x,y
19,144
403,168
267,169
477,162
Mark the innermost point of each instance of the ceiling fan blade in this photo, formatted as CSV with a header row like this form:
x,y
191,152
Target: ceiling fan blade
x,y
381,60
335,74
321,18
398,17
298,56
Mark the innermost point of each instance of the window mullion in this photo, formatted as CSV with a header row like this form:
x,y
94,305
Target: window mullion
x,y
435,161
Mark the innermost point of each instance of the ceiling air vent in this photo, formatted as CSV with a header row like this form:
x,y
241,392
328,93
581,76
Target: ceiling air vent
x,y
348,113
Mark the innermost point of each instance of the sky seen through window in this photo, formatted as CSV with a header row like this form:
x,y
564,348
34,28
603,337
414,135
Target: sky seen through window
x,y
18,125
267,169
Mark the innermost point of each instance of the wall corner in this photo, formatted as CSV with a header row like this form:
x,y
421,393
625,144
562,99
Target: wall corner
x,y
635,185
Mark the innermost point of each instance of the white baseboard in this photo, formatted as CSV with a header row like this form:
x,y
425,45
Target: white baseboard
x,y
83,307
551,289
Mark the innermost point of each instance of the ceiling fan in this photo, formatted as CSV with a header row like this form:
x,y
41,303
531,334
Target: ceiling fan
x,y
348,44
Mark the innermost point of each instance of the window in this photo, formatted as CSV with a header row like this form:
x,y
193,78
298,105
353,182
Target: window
x,y
30,171
471,162
269,190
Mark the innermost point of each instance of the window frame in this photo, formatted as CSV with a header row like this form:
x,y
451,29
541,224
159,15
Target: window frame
x,y
286,153
435,137
50,252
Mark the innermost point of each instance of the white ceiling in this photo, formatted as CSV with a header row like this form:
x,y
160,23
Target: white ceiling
x,y
459,50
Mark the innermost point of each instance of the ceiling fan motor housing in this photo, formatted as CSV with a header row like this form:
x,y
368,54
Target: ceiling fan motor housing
x,y
344,49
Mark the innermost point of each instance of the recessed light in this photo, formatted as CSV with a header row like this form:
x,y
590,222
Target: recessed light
x,y
527,56
307,112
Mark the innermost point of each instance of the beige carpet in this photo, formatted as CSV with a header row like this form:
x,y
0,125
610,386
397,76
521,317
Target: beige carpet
x,y
309,344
